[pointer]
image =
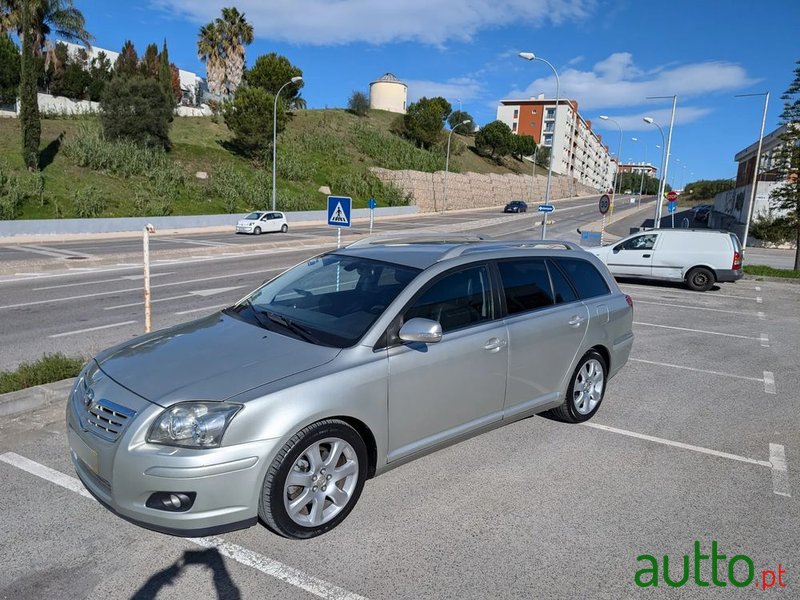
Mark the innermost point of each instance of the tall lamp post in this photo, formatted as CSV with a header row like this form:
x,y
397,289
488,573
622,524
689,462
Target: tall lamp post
x,y
641,183
447,159
661,182
757,167
668,150
275,131
532,56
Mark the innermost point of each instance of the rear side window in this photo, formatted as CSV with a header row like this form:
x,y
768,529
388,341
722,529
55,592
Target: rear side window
x,y
561,287
586,279
526,285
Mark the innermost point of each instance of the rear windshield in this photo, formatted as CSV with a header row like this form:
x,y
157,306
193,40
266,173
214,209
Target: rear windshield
x,y
585,278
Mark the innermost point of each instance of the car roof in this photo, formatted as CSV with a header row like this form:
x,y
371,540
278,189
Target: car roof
x,y
423,252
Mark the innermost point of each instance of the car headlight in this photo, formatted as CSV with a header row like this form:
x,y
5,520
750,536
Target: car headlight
x,y
193,424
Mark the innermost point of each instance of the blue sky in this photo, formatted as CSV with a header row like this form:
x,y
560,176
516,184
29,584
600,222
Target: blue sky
x,y
610,55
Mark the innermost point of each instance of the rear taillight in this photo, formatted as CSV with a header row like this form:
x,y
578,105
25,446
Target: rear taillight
x,y
629,300
737,261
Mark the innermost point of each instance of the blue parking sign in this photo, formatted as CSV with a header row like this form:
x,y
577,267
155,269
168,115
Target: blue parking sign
x,y
339,211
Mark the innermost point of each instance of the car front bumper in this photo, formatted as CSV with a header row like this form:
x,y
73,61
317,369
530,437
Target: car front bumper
x,y
246,229
122,475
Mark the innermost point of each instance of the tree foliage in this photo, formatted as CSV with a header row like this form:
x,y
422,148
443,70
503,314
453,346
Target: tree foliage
x,y
270,72
358,104
221,45
705,189
59,17
459,116
127,63
135,108
494,139
423,121
9,70
786,196
249,117
522,145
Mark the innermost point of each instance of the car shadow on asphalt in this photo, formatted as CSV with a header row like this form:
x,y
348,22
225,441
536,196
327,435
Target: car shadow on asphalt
x,y
211,559
657,283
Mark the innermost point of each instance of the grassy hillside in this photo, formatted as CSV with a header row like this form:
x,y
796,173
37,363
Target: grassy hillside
x,y
319,148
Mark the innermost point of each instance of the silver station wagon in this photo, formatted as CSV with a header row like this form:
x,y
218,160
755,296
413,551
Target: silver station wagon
x,y
349,364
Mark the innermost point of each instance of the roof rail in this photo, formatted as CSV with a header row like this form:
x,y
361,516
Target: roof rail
x,y
498,245
428,237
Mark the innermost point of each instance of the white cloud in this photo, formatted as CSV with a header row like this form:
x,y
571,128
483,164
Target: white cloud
x,y
435,22
463,88
617,81
635,122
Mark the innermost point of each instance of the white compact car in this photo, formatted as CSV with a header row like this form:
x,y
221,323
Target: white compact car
x,y
699,257
262,222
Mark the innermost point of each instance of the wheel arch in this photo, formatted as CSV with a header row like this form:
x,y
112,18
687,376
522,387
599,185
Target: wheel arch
x,y
603,351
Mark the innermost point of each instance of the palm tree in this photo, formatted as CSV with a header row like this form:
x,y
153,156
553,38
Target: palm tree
x,y
59,17
236,33
210,51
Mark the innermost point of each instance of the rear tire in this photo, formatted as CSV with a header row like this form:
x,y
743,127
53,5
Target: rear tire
x,y
285,228
257,231
700,279
585,391
327,454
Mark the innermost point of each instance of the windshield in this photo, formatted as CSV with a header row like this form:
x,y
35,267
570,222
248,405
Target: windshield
x,y
253,216
330,300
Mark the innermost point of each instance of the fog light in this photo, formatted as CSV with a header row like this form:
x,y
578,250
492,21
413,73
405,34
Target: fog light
x,y
171,501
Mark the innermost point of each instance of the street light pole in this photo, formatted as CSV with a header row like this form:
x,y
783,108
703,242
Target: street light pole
x,y
447,160
661,183
757,167
531,56
669,146
275,131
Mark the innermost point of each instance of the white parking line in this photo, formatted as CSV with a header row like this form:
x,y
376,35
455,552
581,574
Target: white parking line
x,y
98,281
719,310
661,364
769,382
743,337
776,463
704,295
658,440
759,300
268,566
762,316
85,329
780,470
764,340
758,289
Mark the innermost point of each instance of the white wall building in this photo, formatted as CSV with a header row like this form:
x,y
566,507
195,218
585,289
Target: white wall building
x,y
577,151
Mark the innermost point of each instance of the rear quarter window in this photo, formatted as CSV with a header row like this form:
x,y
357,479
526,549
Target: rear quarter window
x,y
585,278
526,285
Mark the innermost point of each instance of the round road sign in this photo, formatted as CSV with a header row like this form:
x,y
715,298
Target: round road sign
x,y
672,196
605,203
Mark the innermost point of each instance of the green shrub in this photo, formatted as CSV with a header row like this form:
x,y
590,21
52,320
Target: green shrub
x,y
294,200
772,229
88,203
136,109
50,368
15,190
293,165
391,152
249,117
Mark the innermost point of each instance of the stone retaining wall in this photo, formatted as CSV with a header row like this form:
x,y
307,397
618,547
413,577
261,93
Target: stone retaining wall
x,y
476,190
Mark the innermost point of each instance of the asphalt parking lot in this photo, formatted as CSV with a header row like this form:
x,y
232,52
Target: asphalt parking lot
x,y
697,441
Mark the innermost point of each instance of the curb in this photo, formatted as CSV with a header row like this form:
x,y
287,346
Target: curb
x,y
792,280
29,399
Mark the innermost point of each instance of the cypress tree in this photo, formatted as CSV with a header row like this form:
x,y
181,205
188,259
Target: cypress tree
x,y
165,77
28,97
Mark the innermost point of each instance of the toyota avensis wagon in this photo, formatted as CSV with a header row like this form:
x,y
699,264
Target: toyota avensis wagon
x,y
346,365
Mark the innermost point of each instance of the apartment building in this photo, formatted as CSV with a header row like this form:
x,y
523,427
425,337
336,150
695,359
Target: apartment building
x,y
576,150
638,168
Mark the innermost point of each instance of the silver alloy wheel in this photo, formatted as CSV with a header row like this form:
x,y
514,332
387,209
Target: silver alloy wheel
x,y
588,387
321,482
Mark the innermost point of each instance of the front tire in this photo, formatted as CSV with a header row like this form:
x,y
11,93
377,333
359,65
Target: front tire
x,y
700,279
257,231
585,390
314,481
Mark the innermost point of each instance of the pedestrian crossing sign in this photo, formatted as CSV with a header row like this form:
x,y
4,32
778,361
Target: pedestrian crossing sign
x,y
339,211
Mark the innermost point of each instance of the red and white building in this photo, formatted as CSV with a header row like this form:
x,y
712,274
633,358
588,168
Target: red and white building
x,y
576,150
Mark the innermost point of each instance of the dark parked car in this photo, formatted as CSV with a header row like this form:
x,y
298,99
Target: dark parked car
x,y
701,211
516,206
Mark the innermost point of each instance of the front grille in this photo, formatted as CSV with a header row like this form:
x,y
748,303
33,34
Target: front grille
x,y
100,416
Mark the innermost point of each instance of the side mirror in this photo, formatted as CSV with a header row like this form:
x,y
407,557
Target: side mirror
x,y
617,249
421,330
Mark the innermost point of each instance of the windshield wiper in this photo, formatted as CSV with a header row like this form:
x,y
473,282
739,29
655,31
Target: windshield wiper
x,y
292,326
256,312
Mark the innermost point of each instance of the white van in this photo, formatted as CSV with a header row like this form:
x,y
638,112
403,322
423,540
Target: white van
x,y
699,257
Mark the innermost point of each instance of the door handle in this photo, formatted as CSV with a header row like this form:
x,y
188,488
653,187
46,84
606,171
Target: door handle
x,y
576,321
494,345
645,256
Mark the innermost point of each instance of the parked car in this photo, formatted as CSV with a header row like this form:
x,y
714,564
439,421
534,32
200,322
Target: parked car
x,y
516,206
262,222
701,211
698,257
348,364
